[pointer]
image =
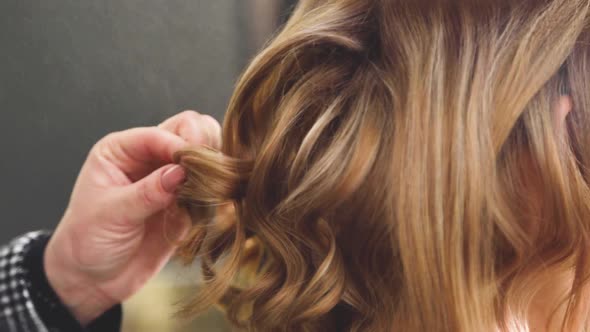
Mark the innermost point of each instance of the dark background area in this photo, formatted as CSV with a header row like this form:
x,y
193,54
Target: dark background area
x,y
72,71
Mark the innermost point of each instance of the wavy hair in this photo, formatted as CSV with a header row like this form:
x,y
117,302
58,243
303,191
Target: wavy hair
x,y
394,165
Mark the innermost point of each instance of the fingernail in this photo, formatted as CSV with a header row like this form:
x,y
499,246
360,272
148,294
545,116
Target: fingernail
x,y
172,178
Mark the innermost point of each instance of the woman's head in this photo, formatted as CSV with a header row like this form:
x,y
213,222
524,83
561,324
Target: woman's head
x,y
400,165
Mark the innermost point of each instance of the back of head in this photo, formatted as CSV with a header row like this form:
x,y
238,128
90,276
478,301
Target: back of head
x,y
393,165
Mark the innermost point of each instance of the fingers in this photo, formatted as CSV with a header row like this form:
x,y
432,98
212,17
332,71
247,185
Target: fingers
x,y
151,194
141,154
139,151
195,128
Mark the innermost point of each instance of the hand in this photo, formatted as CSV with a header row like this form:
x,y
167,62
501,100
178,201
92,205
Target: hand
x,y
118,229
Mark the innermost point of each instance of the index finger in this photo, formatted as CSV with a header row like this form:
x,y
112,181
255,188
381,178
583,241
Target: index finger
x,y
139,151
195,128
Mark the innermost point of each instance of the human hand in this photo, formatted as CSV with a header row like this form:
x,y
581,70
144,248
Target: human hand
x,y
118,231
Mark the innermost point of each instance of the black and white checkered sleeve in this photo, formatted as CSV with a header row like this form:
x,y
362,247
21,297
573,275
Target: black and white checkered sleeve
x,y
17,311
27,301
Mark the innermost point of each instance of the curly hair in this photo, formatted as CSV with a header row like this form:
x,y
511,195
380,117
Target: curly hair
x,y
393,165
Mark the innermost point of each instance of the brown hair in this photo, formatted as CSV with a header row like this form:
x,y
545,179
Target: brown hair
x,y
379,165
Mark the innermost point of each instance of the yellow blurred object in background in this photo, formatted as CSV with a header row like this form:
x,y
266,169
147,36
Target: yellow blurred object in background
x,y
154,307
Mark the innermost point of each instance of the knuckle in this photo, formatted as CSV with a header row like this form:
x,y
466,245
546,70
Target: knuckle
x,y
212,125
189,114
109,137
104,143
188,119
212,129
211,121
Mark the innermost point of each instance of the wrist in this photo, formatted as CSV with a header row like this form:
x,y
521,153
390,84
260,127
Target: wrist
x,y
83,299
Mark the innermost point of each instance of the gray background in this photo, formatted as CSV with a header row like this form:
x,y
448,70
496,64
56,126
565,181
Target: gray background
x,y
72,71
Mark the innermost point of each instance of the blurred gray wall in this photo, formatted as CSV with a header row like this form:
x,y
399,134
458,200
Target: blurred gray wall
x,y
71,71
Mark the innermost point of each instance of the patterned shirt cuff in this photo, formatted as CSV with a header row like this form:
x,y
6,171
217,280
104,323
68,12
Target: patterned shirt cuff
x,y
27,301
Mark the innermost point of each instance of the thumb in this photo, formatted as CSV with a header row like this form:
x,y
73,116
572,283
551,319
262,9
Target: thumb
x,y
153,193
